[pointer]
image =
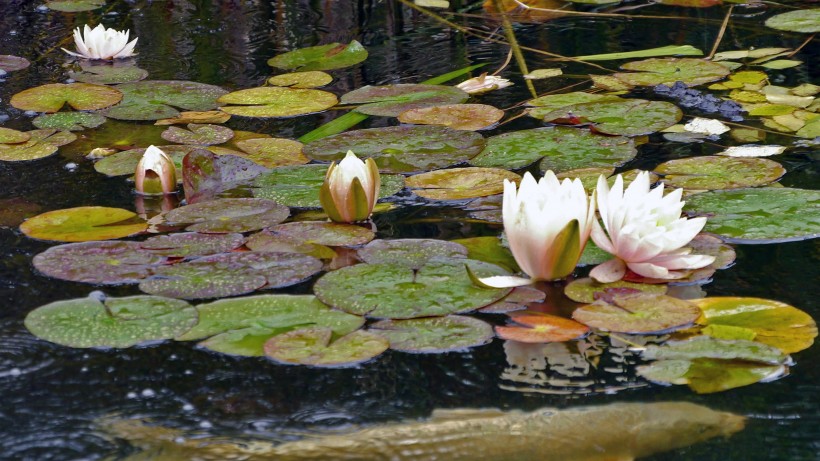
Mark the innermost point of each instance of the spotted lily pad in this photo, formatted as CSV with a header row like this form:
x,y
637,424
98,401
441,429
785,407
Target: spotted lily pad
x,y
562,148
718,172
440,287
111,322
706,376
587,290
298,186
759,215
83,224
627,117
108,73
189,244
547,104
9,63
460,183
322,57
313,346
325,233
638,314
40,144
535,327
271,101
198,134
434,334
285,243
229,215
667,71
806,21
125,162
230,274
158,99
69,121
273,152
410,253
9,136
52,97
75,6
392,100
456,116
205,175
401,149
712,348
102,263
207,116
309,79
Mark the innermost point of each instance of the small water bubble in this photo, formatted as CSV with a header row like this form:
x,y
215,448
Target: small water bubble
x,y
14,372
179,440
148,393
206,425
84,370
13,32
70,80
4,117
131,395
30,113
172,357
71,166
187,407
42,8
188,372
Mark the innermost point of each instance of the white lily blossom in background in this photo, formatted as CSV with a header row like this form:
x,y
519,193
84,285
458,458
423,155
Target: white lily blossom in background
x,y
351,189
645,232
102,43
155,173
483,83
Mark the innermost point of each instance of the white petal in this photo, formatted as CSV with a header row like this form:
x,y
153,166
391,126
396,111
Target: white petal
x,y
608,272
505,281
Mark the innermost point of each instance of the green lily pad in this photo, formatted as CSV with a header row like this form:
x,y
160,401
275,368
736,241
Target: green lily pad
x,y
310,79
230,274
410,253
10,63
518,299
41,143
392,100
158,99
440,287
770,322
434,334
325,233
9,136
52,97
546,104
536,327
108,73
188,244
563,148
284,243
75,6
805,21
100,263
667,71
712,348
470,117
69,121
592,255
273,101
401,149
125,162
205,175
719,172
759,215
587,290
15,210
198,135
638,314
811,129
706,376
299,185
313,346
627,117
112,322
82,224
228,215
322,57
490,250
273,152
460,183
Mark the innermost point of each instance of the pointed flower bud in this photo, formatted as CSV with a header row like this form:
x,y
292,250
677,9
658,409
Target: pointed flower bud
x,y
155,173
102,43
351,189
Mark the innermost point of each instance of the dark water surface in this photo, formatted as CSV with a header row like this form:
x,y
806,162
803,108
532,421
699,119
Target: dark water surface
x,y
51,395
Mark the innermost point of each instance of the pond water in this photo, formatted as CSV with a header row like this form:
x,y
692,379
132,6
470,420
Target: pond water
x,y
52,395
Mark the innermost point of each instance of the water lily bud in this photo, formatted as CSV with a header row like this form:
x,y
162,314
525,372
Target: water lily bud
x,y
351,189
102,43
155,173
483,83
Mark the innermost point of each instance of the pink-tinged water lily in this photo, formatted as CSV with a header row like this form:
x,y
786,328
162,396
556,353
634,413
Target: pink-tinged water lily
x,y
547,224
102,43
351,189
155,173
483,84
645,232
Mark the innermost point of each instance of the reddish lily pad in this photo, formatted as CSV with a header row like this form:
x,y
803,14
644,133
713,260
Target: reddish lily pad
x,y
587,290
434,334
805,20
74,6
190,244
198,134
41,143
706,376
392,100
69,121
159,99
460,183
322,57
82,224
125,162
272,101
229,215
108,73
411,253
638,314
205,175
285,243
9,63
541,328
470,117
667,71
9,136
273,152
627,117
401,149
718,172
15,210
81,96
101,263
325,233
313,346
309,79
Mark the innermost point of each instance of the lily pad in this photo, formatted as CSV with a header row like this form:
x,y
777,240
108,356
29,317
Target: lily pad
x,y
460,183
759,215
230,274
9,63
41,143
273,101
125,162
490,250
309,79
535,327
712,348
434,334
587,290
83,224
638,314
15,210
706,376
401,149
284,243
410,253
198,134
322,57
313,346
108,73
112,322
101,263
9,136
325,233
440,287
52,97
470,117
184,118
627,117
273,152
805,21
667,71
205,175
718,172
159,99
74,6
229,215
770,322
517,300
69,121
563,149
392,100
546,104
298,185
187,244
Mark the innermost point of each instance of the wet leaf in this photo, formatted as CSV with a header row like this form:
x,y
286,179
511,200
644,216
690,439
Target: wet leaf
x,y
205,175
667,71
628,117
52,97
108,73
587,290
159,99
322,57
188,244
69,121
208,116
41,143
460,183
470,117
717,172
273,152
198,134
9,63
706,376
434,334
310,79
325,233
313,346
547,104
539,74
9,136
638,314
270,101
74,6
805,21
100,263
712,348
410,253
491,250
392,100
536,327
83,224
228,215
284,243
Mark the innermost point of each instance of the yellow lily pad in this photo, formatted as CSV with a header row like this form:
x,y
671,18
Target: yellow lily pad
x,y
460,183
52,97
471,117
82,224
309,79
276,102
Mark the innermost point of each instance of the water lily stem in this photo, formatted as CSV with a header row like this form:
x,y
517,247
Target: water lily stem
x,y
514,47
806,42
722,31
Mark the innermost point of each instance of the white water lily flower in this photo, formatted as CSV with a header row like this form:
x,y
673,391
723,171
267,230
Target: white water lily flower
x,y
155,173
351,189
102,43
644,231
483,83
547,224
